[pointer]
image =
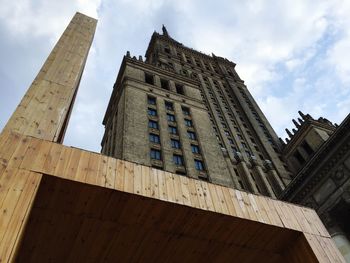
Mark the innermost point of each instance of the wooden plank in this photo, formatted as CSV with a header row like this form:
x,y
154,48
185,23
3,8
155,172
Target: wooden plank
x,y
242,206
82,167
145,181
162,185
185,190
257,209
52,159
207,196
215,199
128,177
170,188
10,198
15,228
229,202
137,179
102,171
309,216
262,210
177,189
316,247
19,153
154,183
111,172
193,193
72,164
271,211
119,180
63,162
236,203
92,172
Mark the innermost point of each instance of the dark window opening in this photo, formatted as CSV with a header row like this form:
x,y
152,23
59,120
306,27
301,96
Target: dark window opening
x,y
169,105
149,79
172,130
155,154
152,112
153,124
151,100
199,165
154,138
185,111
195,148
178,159
164,84
170,117
179,89
299,157
188,123
175,144
167,50
191,135
307,148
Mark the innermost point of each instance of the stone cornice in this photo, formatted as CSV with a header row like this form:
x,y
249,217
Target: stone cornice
x,y
320,164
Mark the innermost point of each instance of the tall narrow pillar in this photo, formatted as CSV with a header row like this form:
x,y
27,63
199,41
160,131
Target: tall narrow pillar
x,y
43,113
45,108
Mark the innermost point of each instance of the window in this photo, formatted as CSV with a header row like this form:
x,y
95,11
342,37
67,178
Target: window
x,y
188,123
167,50
307,148
154,138
151,100
164,84
149,79
198,165
155,154
170,117
172,130
178,159
153,124
175,144
195,148
188,59
244,145
191,135
185,111
179,89
230,141
169,105
152,112
299,157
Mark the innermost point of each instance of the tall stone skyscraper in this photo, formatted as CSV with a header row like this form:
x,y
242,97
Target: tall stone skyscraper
x,y
191,114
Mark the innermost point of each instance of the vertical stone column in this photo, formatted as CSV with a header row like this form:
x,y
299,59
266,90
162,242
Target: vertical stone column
x,y
341,240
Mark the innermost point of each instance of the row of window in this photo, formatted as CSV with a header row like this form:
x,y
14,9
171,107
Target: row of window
x,y
174,142
164,84
177,159
196,61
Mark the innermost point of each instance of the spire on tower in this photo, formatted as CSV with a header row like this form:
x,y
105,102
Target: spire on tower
x,y
165,32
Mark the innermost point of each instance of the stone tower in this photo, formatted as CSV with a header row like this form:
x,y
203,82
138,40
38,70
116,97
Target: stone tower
x,y
190,113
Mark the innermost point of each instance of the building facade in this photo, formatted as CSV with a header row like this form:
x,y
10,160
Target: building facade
x,y
318,153
190,113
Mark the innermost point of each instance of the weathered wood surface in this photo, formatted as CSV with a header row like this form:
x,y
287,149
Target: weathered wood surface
x,y
28,155
45,107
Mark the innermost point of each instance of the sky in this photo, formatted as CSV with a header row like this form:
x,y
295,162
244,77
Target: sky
x,y
292,54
